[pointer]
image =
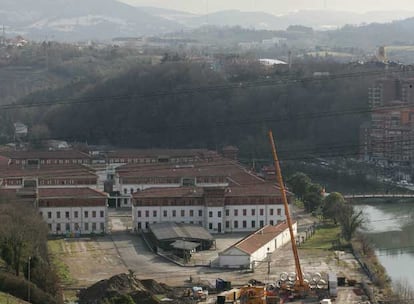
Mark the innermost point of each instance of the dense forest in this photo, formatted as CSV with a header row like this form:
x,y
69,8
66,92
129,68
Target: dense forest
x,y
181,104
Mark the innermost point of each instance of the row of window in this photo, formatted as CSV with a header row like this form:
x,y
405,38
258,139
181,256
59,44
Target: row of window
x,y
235,224
75,214
210,213
52,161
77,227
165,213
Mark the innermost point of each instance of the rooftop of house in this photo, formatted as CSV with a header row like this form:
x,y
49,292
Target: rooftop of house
x,y
40,154
259,238
49,193
265,189
53,171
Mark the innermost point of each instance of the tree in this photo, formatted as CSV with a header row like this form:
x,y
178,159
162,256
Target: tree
x,y
350,221
299,183
22,234
332,206
313,197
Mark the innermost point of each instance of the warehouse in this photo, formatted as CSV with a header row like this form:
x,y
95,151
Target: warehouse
x,y
256,246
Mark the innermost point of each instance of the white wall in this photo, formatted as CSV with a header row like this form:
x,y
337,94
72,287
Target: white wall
x,y
74,221
215,220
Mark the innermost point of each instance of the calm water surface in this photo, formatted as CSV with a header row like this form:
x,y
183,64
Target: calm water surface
x,y
390,226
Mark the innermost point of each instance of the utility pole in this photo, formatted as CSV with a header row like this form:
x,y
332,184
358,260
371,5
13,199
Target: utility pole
x,y
28,279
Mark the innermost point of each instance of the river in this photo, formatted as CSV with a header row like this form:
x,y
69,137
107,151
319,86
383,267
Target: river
x,y
390,226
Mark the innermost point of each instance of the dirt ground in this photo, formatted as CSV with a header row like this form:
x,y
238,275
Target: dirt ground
x,y
92,259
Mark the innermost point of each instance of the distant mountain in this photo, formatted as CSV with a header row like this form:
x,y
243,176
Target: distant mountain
x,y
318,19
80,19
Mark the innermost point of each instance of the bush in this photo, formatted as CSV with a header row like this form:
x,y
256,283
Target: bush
x,y
18,287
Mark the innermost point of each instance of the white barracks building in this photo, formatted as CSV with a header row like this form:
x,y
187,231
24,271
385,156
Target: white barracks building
x,y
73,210
220,195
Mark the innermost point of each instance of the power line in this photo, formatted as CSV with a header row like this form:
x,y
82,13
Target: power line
x,y
202,89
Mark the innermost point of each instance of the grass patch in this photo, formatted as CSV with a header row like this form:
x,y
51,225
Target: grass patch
x,y
56,251
324,237
6,298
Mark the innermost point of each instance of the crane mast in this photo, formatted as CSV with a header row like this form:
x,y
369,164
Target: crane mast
x,y
301,286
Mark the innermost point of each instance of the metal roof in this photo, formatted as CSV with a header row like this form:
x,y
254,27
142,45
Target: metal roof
x,y
179,231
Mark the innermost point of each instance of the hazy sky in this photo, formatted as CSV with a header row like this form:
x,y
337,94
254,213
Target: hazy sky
x,y
276,6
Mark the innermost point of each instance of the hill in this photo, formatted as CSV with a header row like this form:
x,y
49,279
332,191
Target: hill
x,y
72,20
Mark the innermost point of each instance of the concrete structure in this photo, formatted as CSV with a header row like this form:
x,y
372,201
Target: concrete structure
x,y
256,247
73,210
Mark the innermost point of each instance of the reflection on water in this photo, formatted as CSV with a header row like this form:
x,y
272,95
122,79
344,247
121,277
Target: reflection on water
x,y
390,226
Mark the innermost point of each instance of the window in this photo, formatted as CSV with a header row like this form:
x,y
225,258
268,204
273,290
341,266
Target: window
x,y
210,226
49,226
165,213
182,212
93,213
218,213
131,190
67,214
261,224
58,214
236,212
244,224
146,225
154,213
139,226
125,191
174,213
244,212
102,226
139,213
146,213
261,212
67,227
58,227
49,214
191,212
125,201
210,214
253,224
227,212
279,211
236,224
86,226
93,226
76,214
200,212
271,222
271,211
253,212
102,213
227,224
86,214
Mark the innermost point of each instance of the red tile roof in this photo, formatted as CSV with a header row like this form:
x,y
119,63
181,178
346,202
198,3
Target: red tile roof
x,y
60,154
261,237
177,192
69,193
46,172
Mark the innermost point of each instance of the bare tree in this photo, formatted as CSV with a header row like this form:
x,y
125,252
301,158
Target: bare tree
x,y
22,234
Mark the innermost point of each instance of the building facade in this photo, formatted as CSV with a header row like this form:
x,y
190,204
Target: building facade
x,y
219,210
73,210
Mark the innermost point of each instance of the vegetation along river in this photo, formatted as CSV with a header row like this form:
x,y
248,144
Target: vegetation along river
x,y
390,227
